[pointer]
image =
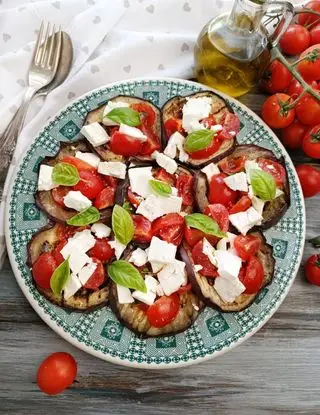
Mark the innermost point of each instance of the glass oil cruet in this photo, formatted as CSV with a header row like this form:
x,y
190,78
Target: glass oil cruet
x,y
232,49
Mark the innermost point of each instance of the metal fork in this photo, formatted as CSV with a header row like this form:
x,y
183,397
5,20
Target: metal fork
x,y
42,70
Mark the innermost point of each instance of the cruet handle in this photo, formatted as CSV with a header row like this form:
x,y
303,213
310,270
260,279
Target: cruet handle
x,y
288,13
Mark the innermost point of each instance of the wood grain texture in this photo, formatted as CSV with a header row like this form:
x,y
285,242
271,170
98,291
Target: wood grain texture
x,y
277,371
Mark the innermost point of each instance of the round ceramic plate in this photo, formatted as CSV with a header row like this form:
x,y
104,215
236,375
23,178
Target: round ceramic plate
x,y
99,332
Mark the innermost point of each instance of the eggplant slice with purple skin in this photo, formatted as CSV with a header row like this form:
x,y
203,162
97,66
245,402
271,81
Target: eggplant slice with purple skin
x,y
274,209
44,199
45,240
97,115
220,108
203,286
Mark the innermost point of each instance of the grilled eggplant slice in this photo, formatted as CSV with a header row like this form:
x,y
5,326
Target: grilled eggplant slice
x,y
44,199
96,116
220,109
273,210
45,240
203,286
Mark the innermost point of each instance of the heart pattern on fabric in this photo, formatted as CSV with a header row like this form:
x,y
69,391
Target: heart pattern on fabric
x,y
56,4
95,68
71,95
6,37
97,20
186,7
184,47
127,68
21,82
150,8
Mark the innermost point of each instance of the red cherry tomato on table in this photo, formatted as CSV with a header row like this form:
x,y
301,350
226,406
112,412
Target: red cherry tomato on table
x,y
315,35
142,229
43,268
102,250
169,227
253,276
232,165
185,189
105,198
125,145
164,310
172,125
309,67
164,176
308,19
295,40
56,373
147,114
199,258
79,164
97,278
247,246
308,110
274,168
219,192
312,269
242,205
276,111
220,214
90,184
311,142
309,179
292,135
58,194
276,78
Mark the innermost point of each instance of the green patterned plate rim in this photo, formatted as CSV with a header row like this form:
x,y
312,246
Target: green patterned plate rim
x,y
99,332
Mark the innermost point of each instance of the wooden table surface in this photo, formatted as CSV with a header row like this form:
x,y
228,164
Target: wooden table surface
x,y
277,371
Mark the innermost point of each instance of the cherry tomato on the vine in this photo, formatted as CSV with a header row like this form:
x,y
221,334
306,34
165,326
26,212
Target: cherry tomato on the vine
x,y
309,179
277,112
311,142
309,65
308,110
295,40
276,78
315,35
292,135
309,19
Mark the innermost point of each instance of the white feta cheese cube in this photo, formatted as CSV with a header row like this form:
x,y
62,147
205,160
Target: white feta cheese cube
x,y
231,237
209,250
86,272
124,295
195,109
138,257
175,143
132,132
161,251
279,192
118,248
148,297
250,191
89,158
139,178
76,200
109,107
72,286
113,168
216,128
228,264
155,206
83,240
228,290
237,181
172,276
156,266
244,221
100,230
250,165
45,178
210,170
222,244
258,205
151,283
95,134
77,260
165,162
160,291
197,267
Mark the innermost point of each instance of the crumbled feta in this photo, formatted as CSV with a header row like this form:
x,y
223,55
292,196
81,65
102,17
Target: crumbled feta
x,y
148,297
210,170
132,132
139,178
76,200
100,230
160,291
250,165
161,251
86,272
165,162
89,158
244,221
113,168
118,248
155,206
231,237
156,266
77,260
109,107
95,134
237,181
83,240
209,251
216,128
71,287
45,178
175,143
228,264
172,276
138,257
228,290
197,267
258,204
222,244
194,110
279,192
124,295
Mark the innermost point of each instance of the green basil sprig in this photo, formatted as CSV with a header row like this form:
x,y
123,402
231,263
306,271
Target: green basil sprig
x,y
205,224
126,116
85,217
60,277
125,274
263,184
65,174
198,140
122,225
160,188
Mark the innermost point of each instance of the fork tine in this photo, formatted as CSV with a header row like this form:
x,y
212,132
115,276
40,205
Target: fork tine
x,y
45,47
51,44
57,50
35,57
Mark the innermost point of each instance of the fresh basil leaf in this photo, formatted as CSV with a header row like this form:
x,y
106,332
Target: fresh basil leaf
x,y
128,207
205,224
126,116
65,174
85,217
125,274
198,140
160,188
122,225
263,184
60,277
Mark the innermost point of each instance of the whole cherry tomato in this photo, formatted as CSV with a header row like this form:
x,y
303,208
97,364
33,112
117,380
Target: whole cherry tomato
x,y
312,269
308,110
277,112
315,35
308,19
43,268
292,135
295,40
309,66
164,310
309,179
276,78
311,142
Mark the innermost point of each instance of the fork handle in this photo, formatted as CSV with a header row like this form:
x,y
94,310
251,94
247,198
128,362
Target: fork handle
x,y
9,138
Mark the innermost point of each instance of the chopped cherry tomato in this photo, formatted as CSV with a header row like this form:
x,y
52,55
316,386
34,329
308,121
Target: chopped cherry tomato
x,y
247,246
184,289
253,277
185,189
109,181
97,278
199,258
58,194
89,184
164,176
164,310
242,204
220,214
43,268
172,125
219,192
133,198
276,78
309,65
193,236
274,168
232,165
231,124
169,227
208,151
312,269
143,229
56,373
105,198
125,145
79,164
147,113
292,135
276,111
311,142
57,252
102,250
309,179
209,121
152,144
308,110
306,19
295,39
